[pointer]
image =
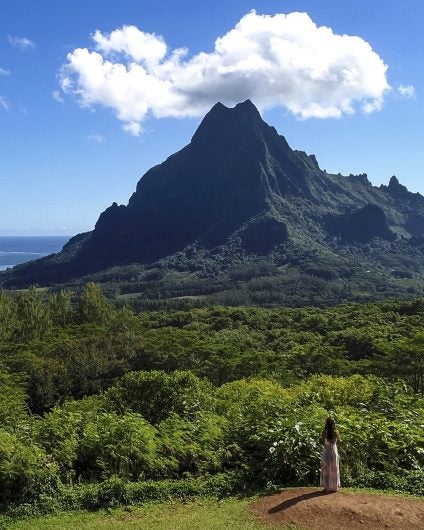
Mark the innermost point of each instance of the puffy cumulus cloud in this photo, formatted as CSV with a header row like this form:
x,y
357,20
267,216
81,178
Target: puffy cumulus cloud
x,y
140,46
281,60
406,91
21,43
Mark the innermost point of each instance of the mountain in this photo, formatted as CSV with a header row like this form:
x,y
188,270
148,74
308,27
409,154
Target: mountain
x,y
237,196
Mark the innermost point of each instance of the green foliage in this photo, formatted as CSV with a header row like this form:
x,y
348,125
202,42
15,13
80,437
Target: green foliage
x,y
25,470
8,316
157,394
115,491
70,357
402,481
13,409
266,434
33,315
61,310
196,446
169,395
275,441
380,423
112,444
93,306
407,355
59,433
90,443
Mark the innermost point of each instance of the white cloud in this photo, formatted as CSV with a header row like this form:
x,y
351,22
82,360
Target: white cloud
x,y
133,127
4,104
57,96
96,137
4,72
372,106
281,60
406,91
21,43
140,46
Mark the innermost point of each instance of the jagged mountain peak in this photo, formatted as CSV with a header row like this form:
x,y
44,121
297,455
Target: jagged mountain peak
x,y
245,107
393,182
231,125
396,186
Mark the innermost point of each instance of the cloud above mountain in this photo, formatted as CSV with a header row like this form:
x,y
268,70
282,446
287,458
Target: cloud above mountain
x,y
276,61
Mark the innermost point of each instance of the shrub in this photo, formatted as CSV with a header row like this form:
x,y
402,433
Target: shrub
x,y
26,471
156,394
113,444
196,446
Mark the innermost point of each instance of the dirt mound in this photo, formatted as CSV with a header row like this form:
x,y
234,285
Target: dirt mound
x,y
313,509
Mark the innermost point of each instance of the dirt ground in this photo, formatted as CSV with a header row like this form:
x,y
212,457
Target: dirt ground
x,y
312,509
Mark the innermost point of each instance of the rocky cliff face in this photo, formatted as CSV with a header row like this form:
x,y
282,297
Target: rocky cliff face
x,y
362,225
237,171
236,168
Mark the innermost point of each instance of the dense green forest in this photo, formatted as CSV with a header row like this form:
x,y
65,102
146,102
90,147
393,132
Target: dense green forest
x,y
296,274
101,405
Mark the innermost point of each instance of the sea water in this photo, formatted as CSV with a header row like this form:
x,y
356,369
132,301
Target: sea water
x,y
19,249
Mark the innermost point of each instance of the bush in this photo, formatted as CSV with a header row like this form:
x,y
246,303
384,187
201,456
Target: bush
x,y
403,481
26,471
156,394
113,444
196,447
268,435
115,491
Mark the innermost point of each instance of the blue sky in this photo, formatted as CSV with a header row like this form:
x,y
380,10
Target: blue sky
x,y
72,143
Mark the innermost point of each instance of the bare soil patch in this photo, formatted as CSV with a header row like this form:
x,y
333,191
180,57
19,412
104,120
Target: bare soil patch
x,y
313,509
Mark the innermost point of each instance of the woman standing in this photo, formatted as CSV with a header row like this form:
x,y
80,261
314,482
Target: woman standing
x,y
330,473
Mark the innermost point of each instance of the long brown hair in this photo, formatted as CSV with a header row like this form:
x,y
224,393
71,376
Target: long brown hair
x,y
330,430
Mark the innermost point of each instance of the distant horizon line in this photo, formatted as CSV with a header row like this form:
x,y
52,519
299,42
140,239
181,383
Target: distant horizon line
x,y
37,235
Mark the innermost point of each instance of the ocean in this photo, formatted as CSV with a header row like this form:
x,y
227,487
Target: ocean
x,y
19,249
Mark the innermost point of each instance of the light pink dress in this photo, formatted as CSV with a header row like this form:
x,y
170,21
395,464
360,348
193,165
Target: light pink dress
x,y
330,473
